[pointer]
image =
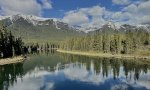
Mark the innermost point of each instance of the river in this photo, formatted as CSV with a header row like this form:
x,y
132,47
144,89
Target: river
x,y
56,71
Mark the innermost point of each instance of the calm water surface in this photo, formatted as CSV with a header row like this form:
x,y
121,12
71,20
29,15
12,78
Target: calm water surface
x,y
54,71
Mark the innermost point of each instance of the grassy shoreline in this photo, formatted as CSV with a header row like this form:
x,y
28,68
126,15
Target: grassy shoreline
x,y
17,59
104,55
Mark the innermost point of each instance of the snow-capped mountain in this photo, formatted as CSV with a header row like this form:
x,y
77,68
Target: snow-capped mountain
x,y
36,21
37,27
58,24
92,27
31,18
118,27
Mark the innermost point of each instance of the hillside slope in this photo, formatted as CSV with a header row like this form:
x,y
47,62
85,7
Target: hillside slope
x,y
35,29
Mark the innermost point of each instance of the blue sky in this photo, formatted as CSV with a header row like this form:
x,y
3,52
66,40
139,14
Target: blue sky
x,y
60,7
85,13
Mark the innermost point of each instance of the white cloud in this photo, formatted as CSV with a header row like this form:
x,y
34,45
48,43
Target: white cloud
x,y
121,16
32,81
96,16
121,2
133,13
138,13
144,7
46,4
75,18
23,7
82,15
117,15
132,8
144,19
96,11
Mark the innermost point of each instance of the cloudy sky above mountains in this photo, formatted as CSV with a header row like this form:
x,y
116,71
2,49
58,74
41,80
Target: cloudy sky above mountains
x,y
82,12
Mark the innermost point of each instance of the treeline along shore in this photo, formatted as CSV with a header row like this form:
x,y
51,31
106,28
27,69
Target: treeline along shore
x,y
9,45
13,49
106,43
106,55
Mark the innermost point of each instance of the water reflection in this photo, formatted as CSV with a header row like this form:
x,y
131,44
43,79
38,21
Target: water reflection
x,y
44,52
9,75
69,72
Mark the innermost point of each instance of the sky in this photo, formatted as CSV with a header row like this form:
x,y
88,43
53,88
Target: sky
x,y
82,12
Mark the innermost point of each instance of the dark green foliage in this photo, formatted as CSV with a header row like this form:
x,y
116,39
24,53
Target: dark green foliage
x,y
43,32
13,70
115,42
35,48
9,45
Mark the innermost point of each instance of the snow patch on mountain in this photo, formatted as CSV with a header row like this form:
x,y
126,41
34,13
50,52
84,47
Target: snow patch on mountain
x,y
91,27
114,26
4,17
35,20
30,18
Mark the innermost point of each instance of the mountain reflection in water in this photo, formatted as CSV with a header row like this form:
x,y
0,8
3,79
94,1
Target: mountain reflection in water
x,y
69,72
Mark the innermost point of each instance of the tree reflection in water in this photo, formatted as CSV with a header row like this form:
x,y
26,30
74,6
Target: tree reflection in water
x,y
62,70
9,75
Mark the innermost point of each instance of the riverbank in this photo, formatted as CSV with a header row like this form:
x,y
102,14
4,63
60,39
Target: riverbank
x,y
105,55
17,59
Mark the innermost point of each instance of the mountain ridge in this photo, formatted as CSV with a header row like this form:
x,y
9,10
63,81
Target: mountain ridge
x,y
34,29
123,27
37,29
35,20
